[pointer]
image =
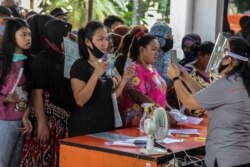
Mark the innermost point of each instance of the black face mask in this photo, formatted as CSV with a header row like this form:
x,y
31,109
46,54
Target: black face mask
x,y
222,67
96,52
189,56
168,45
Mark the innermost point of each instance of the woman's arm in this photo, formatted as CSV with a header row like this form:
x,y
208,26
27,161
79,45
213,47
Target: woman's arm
x,y
83,91
192,85
42,125
187,100
139,97
128,74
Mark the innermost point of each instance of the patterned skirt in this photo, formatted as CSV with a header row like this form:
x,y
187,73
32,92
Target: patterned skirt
x,y
35,154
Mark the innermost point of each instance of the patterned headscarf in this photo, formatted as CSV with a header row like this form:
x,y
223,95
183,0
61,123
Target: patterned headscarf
x,y
160,31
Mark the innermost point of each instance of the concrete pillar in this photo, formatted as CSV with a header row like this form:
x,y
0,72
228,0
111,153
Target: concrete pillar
x,y
204,17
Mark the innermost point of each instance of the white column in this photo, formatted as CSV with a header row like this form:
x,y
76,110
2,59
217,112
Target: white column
x,y
181,21
204,17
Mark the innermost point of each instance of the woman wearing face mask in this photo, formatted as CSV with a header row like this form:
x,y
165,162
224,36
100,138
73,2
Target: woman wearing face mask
x,y
197,71
5,15
187,41
52,99
91,87
163,34
228,104
14,104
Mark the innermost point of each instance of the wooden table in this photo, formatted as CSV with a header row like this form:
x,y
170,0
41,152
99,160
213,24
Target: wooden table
x,y
92,151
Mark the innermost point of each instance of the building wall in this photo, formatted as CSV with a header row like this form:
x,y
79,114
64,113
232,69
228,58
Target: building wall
x,y
204,17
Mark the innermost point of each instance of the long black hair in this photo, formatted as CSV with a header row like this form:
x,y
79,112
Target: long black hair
x,y
8,48
87,32
242,69
137,42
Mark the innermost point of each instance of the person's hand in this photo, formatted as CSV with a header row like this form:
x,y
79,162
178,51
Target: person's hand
x,y
129,72
116,78
173,71
100,68
184,75
11,98
27,126
42,132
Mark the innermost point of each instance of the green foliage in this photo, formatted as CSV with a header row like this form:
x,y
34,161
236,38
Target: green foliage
x,y
243,5
101,8
164,9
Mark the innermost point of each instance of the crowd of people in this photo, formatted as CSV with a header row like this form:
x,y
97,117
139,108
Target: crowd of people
x,y
39,106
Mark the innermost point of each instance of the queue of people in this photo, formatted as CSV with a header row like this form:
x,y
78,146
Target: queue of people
x,y
39,106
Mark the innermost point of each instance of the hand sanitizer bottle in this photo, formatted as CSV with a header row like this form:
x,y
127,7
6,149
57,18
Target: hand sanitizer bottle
x,y
146,108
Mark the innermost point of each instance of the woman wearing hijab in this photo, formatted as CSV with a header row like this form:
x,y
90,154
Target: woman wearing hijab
x,y
187,41
37,23
52,99
163,34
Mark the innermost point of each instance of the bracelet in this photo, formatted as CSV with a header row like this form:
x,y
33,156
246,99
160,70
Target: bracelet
x,y
175,79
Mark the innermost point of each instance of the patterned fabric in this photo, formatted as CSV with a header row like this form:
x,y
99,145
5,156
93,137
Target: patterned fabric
x,y
14,111
203,81
35,154
160,30
161,65
148,83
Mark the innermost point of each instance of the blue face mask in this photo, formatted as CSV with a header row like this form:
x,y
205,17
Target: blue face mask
x,y
18,57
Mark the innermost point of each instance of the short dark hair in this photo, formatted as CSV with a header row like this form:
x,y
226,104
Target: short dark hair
x,y
111,19
4,11
244,20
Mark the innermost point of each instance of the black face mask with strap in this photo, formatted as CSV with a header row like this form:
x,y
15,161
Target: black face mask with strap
x,y
168,45
95,51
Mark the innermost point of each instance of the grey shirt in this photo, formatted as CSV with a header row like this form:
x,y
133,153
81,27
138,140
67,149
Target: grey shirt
x,y
228,136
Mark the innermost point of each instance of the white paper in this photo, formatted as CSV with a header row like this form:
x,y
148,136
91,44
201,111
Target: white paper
x,y
121,143
191,121
71,53
170,140
132,142
117,116
17,81
185,131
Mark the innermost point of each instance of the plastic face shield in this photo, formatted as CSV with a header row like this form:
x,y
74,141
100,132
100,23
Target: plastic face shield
x,y
217,54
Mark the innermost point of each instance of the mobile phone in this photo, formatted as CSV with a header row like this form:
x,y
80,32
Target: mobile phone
x,y
127,63
173,56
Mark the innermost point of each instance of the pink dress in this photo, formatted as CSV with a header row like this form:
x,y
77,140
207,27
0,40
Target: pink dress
x,y
149,83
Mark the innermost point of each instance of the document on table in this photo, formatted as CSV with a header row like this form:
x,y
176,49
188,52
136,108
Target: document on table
x,y
191,121
141,141
185,131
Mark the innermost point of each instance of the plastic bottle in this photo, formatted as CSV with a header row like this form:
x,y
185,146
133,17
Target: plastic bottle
x,y
145,107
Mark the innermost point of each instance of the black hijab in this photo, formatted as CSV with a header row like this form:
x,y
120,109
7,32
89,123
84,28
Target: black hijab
x,y
55,30
48,67
37,23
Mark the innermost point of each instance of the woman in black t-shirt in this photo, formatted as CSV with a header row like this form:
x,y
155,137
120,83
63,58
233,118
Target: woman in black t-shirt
x,y
92,89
